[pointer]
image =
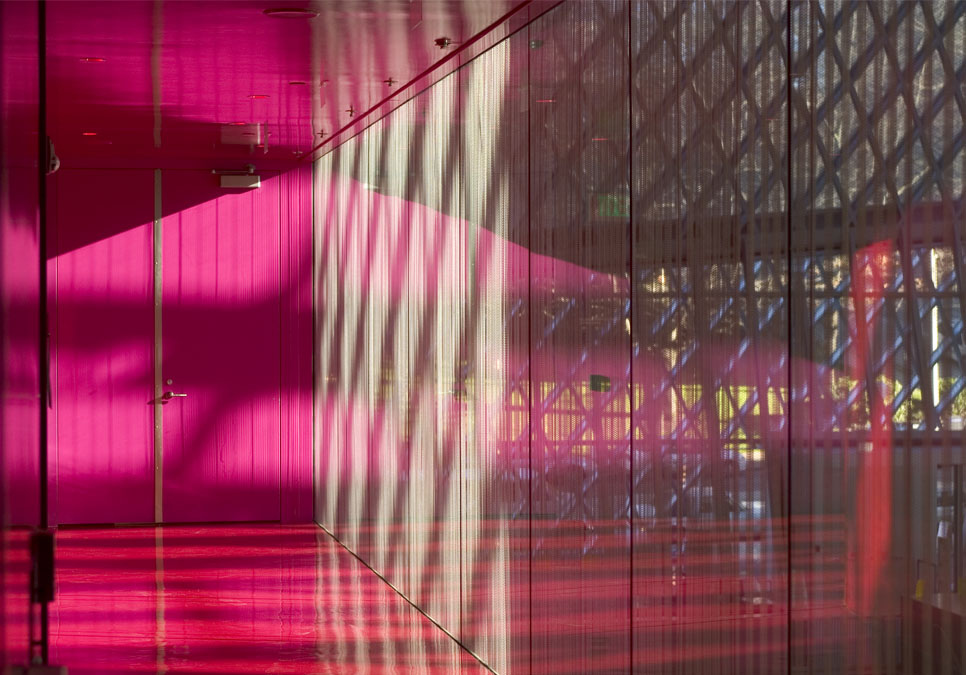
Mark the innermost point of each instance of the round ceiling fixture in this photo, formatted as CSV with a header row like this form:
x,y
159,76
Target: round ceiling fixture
x,y
290,13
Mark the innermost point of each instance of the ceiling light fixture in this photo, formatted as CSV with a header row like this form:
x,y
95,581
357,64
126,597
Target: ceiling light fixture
x,y
236,124
258,97
93,59
89,133
290,13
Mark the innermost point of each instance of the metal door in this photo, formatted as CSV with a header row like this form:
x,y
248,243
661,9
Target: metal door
x,y
219,375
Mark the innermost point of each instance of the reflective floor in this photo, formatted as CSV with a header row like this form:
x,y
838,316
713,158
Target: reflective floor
x,y
234,599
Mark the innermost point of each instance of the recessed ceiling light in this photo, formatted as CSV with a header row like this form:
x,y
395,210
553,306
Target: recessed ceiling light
x,y
258,96
290,13
545,100
93,59
89,133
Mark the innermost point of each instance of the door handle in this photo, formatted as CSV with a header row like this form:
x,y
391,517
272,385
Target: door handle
x,y
168,395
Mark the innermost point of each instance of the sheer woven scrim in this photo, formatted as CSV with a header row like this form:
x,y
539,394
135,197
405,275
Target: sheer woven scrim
x,y
877,225
580,351
405,147
20,254
328,337
709,331
663,313
494,369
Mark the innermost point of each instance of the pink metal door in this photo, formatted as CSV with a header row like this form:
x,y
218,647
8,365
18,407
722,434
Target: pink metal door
x,y
221,323
101,327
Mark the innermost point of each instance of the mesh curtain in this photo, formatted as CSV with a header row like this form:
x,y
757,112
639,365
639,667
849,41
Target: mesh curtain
x,y
639,341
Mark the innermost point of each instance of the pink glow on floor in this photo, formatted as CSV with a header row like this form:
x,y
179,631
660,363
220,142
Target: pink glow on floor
x,y
234,599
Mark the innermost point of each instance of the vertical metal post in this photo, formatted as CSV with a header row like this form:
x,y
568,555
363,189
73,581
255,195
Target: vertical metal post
x,y
42,540
158,355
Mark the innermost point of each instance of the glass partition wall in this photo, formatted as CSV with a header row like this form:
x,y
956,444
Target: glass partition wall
x,y
639,341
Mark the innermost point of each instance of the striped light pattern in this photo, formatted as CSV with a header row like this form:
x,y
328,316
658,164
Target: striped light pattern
x,y
640,341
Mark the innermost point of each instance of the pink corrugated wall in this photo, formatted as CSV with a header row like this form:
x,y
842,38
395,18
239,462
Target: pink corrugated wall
x,y
102,326
221,337
19,287
236,335
296,401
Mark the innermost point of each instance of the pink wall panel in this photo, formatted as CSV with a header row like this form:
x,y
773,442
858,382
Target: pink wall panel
x,y
102,446
20,256
236,271
221,337
19,294
296,364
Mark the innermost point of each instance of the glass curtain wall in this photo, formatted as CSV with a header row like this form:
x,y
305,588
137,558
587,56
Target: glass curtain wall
x,y
639,341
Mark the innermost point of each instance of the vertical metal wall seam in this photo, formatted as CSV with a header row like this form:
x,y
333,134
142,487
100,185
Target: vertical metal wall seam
x,y
284,467
630,311
789,401
462,265
529,71
43,356
157,31
43,344
316,479
158,353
